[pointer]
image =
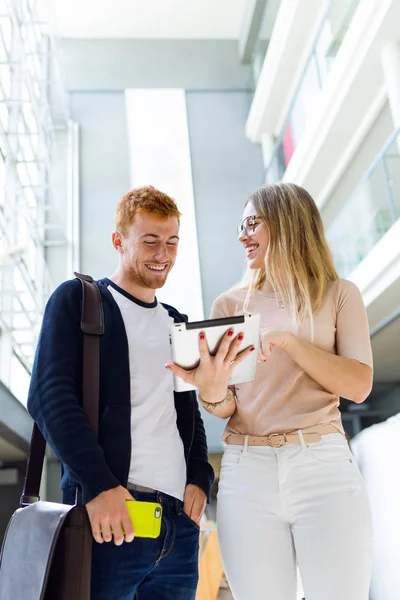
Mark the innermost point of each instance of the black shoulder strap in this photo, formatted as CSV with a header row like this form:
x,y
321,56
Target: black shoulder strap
x,y
92,325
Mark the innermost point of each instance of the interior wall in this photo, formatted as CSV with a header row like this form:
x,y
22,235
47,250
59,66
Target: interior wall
x,y
53,478
390,401
9,501
226,169
56,218
104,174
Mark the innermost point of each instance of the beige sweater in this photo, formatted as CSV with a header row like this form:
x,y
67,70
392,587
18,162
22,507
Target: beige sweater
x,y
283,397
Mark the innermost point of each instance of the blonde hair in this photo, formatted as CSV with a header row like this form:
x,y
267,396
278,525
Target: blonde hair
x,y
298,262
144,199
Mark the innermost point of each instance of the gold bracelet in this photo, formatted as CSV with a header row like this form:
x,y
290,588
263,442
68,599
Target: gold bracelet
x,y
213,405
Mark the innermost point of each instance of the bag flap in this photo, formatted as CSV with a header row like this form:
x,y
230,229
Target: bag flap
x,y
28,549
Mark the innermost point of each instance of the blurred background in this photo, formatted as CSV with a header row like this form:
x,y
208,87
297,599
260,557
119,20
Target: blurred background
x,y
207,100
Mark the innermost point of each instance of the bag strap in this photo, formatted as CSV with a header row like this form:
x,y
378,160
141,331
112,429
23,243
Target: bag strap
x,y
92,325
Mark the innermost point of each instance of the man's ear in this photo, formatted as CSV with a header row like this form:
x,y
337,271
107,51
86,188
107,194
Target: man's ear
x,y
117,241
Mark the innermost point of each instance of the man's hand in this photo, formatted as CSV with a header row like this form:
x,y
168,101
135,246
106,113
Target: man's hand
x,y
194,502
108,516
212,375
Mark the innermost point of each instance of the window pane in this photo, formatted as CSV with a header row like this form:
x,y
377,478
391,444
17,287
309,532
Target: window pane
x,y
160,153
2,181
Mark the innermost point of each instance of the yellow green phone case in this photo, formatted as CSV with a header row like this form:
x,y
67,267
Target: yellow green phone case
x,y
146,518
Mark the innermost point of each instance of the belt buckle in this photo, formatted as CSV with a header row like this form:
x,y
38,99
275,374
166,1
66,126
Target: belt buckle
x,y
281,441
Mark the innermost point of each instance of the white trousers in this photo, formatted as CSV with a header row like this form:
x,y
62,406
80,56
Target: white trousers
x,y
296,504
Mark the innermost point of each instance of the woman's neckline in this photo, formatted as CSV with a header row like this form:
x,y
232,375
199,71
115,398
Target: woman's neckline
x,y
266,293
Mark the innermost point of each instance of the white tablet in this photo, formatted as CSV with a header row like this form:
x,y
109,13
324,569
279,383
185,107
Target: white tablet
x,y
184,338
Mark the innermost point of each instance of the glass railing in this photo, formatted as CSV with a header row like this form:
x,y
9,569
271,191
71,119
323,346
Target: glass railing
x,y
370,211
328,42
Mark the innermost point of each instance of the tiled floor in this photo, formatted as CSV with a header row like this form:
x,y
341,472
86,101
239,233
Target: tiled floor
x,y
225,595
224,592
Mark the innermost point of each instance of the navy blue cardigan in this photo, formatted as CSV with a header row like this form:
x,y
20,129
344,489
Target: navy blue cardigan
x,y
55,400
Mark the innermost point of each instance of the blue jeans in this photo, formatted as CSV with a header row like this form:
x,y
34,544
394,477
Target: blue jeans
x,y
162,569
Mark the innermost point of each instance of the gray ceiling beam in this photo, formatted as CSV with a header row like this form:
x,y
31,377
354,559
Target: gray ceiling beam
x,y
250,29
385,323
15,422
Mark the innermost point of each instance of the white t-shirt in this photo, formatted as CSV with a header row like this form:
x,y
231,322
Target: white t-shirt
x,y
157,458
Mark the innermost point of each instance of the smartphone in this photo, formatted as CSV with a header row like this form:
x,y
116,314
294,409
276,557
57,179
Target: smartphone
x,y
146,518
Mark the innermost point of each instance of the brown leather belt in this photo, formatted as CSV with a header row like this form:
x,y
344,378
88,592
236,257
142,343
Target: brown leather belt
x,y
277,440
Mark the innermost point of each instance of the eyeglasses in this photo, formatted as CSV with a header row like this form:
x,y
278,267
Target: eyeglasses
x,y
248,226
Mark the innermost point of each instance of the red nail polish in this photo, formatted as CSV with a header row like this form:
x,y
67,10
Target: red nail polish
x,y
168,367
230,333
202,336
252,349
240,337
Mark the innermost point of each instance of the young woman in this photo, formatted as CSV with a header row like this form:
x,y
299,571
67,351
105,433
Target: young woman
x,y
290,491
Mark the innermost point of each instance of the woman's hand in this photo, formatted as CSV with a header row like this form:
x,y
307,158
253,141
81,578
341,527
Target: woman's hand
x,y
212,375
271,338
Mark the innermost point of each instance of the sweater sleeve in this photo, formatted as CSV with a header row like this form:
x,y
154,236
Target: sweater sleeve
x,y
200,472
54,399
352,330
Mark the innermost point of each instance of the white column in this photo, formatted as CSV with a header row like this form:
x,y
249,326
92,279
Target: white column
x,y
391,69
43,484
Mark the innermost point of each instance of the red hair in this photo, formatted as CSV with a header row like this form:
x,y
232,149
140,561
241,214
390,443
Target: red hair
x,y
144,199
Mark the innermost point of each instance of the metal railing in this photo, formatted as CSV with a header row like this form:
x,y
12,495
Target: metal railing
x,y
26,146
370,212
328,41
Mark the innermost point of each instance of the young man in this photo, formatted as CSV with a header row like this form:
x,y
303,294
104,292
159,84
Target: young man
x,y
152,443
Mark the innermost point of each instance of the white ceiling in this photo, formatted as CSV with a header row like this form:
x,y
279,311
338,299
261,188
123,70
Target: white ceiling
x,y
157,19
